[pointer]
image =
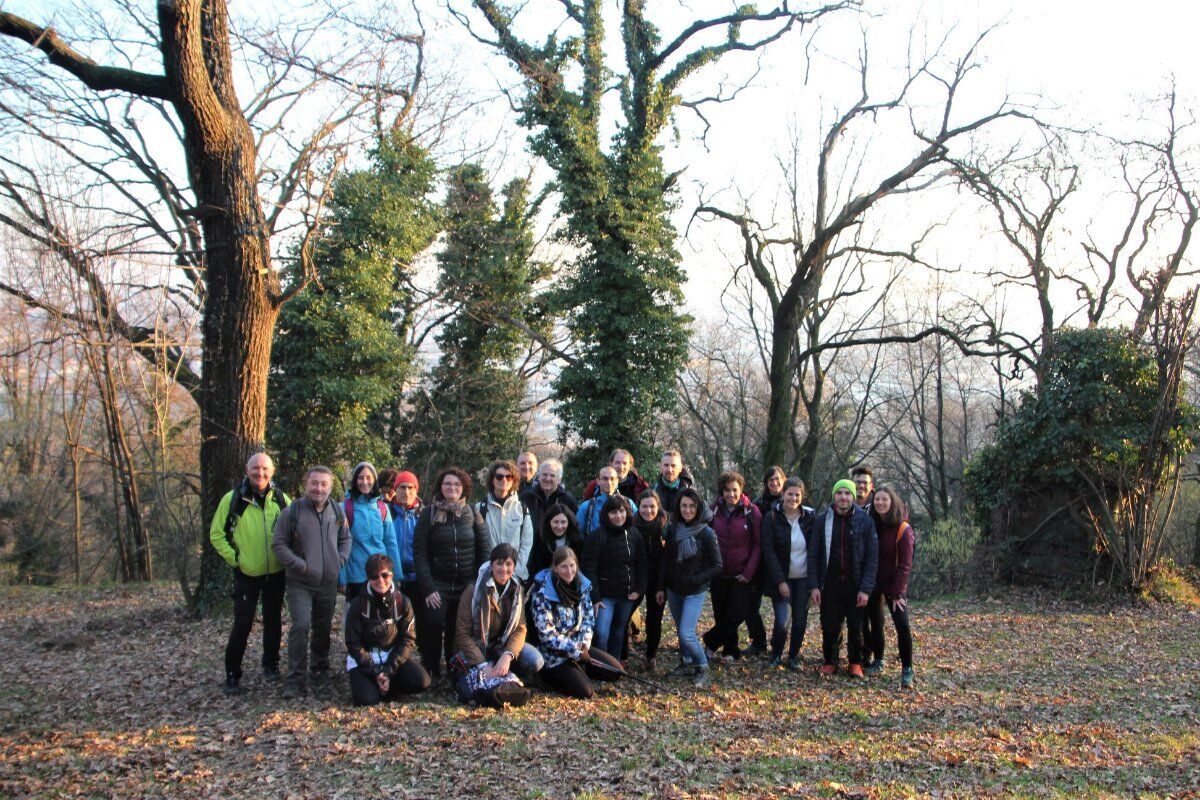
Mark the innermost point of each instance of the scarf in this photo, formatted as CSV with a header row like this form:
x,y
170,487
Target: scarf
x,y
685,536
481,611
568,593
651,530
445,511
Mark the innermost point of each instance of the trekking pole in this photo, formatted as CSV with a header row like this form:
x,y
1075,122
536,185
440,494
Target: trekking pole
x,y
656,686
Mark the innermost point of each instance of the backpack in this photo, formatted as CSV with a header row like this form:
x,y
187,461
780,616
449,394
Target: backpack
x,y
524,509
348,509
238,506
900,537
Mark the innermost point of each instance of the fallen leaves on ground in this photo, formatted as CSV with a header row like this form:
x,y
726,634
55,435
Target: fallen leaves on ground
x,y
117,692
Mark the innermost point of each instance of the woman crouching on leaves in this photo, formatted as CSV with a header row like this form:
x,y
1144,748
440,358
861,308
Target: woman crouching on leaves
x,y
690,560
380,639
896,541
565,619
490,636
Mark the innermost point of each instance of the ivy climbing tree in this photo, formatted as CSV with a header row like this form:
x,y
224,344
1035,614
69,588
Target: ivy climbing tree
x,y
621,303
341,355
468,413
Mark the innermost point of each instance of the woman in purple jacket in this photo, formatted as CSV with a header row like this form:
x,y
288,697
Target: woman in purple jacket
x,y
737,523
896,541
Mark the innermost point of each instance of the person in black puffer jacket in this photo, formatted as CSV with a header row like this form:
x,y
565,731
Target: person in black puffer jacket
x,y
449,544
380,636
652,522
614,560
690,560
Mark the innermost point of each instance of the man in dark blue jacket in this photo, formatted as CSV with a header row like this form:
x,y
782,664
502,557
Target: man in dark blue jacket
x,y
843,558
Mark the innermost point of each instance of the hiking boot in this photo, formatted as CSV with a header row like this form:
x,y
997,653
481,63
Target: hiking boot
x,y
828,669
775,662
233,684
271,672
906,678
292,690
875,667
684,668
793,664
701,678
855,671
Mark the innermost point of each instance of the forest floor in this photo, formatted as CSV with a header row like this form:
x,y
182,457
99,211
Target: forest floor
x,y
115,692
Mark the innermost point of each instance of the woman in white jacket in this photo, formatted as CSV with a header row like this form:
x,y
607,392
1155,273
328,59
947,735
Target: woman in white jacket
x,y
506,517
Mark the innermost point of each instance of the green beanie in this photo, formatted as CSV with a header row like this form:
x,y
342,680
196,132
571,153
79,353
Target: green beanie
x,y
843,484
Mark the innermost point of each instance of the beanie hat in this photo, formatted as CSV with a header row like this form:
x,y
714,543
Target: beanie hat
x,y
843,484
406,477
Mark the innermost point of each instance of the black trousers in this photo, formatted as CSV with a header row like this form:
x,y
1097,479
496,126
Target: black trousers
x,y
754,621
654,618
575,680
731,603
875,608
246,593
410,678
838,607
435,631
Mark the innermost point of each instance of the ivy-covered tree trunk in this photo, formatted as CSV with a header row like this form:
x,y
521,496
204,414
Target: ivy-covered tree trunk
x,y
621,302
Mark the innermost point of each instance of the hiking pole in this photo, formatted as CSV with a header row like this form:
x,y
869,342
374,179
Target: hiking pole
x,y
656,686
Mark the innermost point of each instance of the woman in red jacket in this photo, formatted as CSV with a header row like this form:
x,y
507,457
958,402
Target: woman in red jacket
x,y
896,541
737,523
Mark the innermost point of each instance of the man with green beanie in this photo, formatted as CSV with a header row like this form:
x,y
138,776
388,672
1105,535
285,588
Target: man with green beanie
x,y
843,557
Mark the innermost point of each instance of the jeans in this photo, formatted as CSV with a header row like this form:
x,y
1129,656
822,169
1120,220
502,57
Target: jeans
x,y
795,609
310,607
685,610
246,591
611,621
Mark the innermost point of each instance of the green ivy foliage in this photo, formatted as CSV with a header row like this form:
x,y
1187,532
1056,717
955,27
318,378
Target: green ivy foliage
x,y
467,413
1094,410
341,352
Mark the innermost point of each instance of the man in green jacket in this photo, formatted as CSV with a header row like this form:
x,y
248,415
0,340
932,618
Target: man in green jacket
x,y
241,532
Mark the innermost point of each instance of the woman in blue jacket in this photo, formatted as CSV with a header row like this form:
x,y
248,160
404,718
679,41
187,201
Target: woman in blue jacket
x,y
371,529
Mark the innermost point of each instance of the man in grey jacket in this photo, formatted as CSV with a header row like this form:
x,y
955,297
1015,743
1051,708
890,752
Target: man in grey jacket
x,y
312,541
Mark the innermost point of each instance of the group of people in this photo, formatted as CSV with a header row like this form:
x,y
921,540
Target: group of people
x,y
531,581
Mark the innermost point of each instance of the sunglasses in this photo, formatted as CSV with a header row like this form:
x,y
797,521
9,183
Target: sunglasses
x,y
381,575
504,477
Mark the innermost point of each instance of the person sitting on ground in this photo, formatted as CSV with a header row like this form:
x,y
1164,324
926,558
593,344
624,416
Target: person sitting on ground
x,y
380,637
564,617
490,635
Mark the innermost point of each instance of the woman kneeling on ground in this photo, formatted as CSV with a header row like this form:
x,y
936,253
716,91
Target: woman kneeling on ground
x,y
490,635
565,620
380,637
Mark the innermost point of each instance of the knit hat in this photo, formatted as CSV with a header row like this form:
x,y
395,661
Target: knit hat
x,y
844,483
406,477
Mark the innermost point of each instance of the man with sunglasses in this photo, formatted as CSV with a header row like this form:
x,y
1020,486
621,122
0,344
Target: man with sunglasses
x,y
506,517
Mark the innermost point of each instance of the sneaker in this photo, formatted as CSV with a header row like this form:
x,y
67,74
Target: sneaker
x,y
875,667
906,678
855,671
684,668
775,662
701,678
233,684
828,669
292,690
793,664
271,673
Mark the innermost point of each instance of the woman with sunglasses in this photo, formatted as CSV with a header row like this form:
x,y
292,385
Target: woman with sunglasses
x,y
380,637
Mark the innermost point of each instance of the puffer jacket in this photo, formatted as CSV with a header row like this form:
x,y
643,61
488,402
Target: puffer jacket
x,y
380,632
654,537
692,575
251,551
564,631
542,554
738,533
614,560
508,522
371,532
777,546
863,555
448,554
